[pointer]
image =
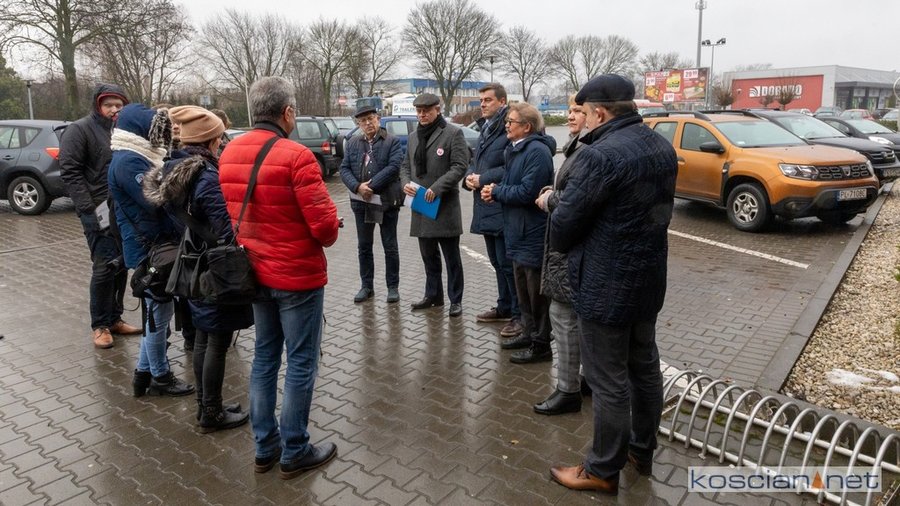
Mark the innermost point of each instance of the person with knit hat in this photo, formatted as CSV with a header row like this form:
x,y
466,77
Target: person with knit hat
x,y
191,185
84,156
139,143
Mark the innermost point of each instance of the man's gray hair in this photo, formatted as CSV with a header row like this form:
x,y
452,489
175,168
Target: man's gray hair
x,y
269,96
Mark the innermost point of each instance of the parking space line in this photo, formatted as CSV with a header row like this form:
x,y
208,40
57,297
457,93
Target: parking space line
x,y
740,250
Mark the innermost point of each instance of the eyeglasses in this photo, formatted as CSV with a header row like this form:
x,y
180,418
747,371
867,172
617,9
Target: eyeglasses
x,y
515,121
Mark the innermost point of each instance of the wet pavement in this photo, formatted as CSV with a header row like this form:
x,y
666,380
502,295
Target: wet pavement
x,y
424,409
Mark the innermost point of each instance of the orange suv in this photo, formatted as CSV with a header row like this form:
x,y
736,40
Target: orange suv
x,y
757,170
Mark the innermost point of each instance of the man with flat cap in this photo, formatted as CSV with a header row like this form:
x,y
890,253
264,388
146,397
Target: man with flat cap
x,y
436,159
371,171
612,221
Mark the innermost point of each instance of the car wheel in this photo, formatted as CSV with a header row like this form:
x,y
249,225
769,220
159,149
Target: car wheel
x,y
322,168
748,207
836,217
27,196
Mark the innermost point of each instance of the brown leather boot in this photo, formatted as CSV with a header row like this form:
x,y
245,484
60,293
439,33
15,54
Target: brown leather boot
x,y
120,327
102,338
577,478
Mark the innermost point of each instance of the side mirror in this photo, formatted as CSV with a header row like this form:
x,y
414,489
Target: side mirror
x,y
712,147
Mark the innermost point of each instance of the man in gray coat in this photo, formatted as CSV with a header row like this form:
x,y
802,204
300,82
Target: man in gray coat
x,y
436,159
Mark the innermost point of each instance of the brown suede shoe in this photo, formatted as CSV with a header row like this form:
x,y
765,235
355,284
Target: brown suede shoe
x,y
577,478
102,338
122,328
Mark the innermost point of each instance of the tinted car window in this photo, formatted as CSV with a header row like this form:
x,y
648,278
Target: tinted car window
x,y
869,127
396,127
693,136
332,127
308,130
840,126
757,134
9,137
30,134
667,130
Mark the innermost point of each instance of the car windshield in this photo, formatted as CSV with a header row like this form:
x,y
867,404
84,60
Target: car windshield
x,y
808,128
344,123
869,127
757,134
891,115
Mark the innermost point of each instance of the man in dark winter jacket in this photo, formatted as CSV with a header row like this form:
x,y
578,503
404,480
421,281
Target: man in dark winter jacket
x,y
529,168
612,220
84,156
370,168
487,217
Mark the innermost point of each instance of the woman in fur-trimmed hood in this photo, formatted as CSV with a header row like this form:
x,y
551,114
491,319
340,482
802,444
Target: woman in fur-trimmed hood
x,y
191,184
139,143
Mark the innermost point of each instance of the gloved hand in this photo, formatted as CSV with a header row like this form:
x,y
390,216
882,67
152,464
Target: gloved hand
x,y
89,222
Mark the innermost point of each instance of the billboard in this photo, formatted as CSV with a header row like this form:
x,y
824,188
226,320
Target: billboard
x,y
676,85
753,92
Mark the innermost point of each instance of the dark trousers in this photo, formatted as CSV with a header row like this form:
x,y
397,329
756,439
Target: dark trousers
x,y
507,301
621,365
365,235
431,249
534,306
108,278
209,365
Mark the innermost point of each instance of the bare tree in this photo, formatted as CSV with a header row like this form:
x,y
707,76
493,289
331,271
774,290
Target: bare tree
x,y
526,57
619,56
328,48
752,66
446,45
148,62
722,95
656,61
766,99
786,91
241,48
61,28
376,54
581,58
564,55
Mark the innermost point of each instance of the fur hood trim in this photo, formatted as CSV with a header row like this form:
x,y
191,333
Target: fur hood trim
x,y
176,186
127,141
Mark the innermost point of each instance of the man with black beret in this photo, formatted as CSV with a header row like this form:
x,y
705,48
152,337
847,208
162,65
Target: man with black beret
x,y
436,159
612,221
370,168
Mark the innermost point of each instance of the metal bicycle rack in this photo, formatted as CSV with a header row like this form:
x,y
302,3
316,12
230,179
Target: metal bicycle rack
x,y
709,399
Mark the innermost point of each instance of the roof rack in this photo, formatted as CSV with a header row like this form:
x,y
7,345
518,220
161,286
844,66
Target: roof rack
x,y
696,114
737,112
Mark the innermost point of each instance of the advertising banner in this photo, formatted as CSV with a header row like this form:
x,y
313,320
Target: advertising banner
x,y
676,85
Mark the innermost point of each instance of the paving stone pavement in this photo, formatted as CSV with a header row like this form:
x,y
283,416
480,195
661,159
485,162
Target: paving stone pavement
x,y
424,409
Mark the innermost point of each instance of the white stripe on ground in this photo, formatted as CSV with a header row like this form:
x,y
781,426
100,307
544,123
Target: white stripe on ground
x,y
478,257
740,250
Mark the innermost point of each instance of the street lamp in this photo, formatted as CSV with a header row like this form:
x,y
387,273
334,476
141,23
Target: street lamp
x,y
712,61
30,107
700,5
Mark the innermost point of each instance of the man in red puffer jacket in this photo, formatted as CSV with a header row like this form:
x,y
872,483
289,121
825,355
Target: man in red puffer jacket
x,y
289,219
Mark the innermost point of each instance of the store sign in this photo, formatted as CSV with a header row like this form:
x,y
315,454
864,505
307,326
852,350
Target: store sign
x,y
750,93
677,85
775,90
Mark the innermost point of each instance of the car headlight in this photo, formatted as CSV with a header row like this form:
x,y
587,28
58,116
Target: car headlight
x,y
879,140
870,167
798,171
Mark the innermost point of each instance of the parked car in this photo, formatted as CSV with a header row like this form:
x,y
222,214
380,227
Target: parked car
x,y
826,110
867,129
345,124
646,107
402,126
29,166
757,170
802,110
856,114
892,115
816,131
878,113
234,133
323,138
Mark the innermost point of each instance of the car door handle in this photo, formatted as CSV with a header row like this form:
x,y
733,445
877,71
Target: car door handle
x,y
680,159
8,157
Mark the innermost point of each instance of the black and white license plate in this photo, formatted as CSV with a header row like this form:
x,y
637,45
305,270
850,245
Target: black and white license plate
x,y
891,172
857,194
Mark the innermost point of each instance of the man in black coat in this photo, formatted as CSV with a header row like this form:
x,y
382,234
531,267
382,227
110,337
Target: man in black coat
x,y
84,156
612,220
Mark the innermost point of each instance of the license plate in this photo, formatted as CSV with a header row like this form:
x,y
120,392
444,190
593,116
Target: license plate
x,y
857,194
891,173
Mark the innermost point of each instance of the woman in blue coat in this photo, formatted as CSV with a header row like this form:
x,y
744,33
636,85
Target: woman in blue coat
x,y
191,185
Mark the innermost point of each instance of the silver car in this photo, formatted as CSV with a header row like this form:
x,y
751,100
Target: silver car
x,y
29,169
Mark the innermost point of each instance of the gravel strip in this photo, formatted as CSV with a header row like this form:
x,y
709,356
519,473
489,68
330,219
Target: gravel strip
x,y
852,361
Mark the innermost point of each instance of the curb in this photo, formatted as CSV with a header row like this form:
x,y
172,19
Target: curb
x,y
776,373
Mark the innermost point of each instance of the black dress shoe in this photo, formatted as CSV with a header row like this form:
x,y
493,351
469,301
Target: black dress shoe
x,y
262,465
455,309
532,355
558,403
317,456
426,303
516,343
363,294
393,295
585,388
644,468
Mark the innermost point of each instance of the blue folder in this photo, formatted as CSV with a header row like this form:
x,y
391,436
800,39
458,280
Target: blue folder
x,y
427,209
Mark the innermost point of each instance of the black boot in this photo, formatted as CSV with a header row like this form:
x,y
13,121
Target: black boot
x,y
169,385
215,418
233,407
141,382
559,403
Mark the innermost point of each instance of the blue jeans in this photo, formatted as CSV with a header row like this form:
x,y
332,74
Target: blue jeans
x,y
152,356
507,301
290,322
365,234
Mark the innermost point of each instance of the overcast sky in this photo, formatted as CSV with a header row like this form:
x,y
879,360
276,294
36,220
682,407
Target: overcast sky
x,y
785,33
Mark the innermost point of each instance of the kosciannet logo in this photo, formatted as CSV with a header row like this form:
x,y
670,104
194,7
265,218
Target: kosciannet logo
x,y
789,479
774,91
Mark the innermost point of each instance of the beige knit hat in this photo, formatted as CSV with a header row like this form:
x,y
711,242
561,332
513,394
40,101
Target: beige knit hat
x,y
198,125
